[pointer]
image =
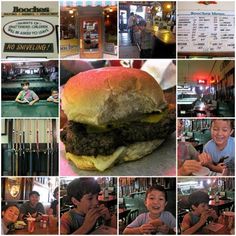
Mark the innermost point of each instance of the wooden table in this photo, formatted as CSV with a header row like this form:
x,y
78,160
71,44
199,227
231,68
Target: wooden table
x,y
221,205
222,231
102,230
38,230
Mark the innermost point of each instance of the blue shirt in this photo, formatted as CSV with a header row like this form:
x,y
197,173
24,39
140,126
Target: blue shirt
x,y
217,154
166,217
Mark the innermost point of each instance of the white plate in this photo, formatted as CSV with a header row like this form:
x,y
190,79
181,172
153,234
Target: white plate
x,y
204,171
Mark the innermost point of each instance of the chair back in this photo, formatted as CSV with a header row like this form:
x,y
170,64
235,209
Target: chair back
x,y
132,216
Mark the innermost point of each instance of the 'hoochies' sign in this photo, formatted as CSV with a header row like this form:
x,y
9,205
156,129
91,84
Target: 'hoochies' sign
x,y
29,28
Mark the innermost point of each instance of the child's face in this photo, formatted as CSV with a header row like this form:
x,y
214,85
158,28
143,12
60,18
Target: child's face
x,y
11,214
220,132
155,202
34,199
25,87
202,207
55,94
87,202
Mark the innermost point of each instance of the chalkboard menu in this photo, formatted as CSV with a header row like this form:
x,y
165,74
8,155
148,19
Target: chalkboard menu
x,y
206,31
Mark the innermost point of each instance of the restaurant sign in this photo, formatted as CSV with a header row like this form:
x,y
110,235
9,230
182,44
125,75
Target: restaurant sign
x,y
28,47
29,28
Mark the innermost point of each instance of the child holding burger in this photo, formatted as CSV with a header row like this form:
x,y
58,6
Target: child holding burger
x,y
156,220
83,192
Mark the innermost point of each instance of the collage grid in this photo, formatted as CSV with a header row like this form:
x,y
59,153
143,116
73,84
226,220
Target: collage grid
x,y
117,117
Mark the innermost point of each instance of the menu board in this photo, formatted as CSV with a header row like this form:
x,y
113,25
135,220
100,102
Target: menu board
x,y
206,31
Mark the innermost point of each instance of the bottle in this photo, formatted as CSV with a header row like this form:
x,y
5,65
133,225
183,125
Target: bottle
x,y
44,224
217,197
106,193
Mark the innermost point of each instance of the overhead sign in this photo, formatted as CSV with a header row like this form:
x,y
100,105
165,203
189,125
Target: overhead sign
x,y
30,29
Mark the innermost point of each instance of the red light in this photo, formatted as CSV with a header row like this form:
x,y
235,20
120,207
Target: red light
x,y
201,81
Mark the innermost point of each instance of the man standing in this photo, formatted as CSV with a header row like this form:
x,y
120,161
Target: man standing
x,y
131,26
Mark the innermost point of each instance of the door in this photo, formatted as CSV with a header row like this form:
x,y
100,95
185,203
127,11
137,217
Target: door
x,y
91,45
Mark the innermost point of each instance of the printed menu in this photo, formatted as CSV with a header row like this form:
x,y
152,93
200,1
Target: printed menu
x,y
206,31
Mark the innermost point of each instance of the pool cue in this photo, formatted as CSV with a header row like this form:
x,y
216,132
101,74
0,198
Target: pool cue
x,y
16,151
52,148
37,148
23,151
20,152
48,148
31,154
13,156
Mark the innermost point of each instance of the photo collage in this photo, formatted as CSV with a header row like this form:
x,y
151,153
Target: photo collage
x,y
117,117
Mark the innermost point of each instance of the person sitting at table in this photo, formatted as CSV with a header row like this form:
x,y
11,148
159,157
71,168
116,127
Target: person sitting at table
x,y
145,41
54,96
83,193
53,210
199,215
156,220
10,214
26,95
189,159
221,147
32,207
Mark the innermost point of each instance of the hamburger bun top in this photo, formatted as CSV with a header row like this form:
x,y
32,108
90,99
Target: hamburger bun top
x,y
110,94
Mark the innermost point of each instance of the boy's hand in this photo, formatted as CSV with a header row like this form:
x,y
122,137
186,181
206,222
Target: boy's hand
x,y
163,229
104,212
90,219
213,214
204,158
31,103
190,166
147,229
220,167
204,217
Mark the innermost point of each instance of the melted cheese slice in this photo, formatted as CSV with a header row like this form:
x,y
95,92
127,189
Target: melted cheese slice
x,y
122,154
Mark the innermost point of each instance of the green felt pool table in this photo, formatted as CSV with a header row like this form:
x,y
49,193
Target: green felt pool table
x,y
42,108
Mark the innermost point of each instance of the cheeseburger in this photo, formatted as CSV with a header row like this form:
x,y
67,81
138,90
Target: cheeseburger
x,y
115,114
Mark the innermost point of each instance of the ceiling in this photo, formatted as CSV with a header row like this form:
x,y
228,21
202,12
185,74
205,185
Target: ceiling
x,y
191,71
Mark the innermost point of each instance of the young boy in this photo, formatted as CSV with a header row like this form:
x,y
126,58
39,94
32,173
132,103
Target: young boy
x,y
156,219
196,219
145,41
26,95
221,147
54,96
32,207
10,214
83,193
189,160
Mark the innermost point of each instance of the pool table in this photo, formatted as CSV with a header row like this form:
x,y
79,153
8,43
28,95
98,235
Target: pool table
x,y
42,108
38,87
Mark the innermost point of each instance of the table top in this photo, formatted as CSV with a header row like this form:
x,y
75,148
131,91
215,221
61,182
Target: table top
x,y
220,202
212,228
42,108
151,165
186,101
38,230
33,84
105,230
166,36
